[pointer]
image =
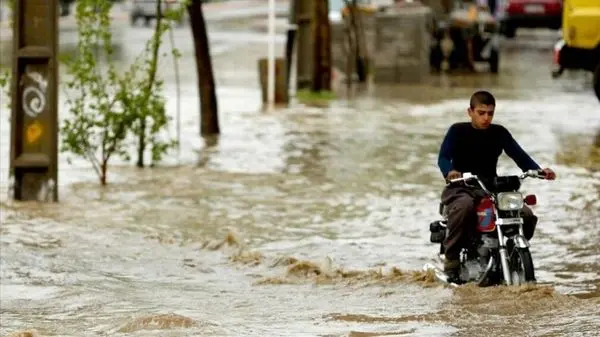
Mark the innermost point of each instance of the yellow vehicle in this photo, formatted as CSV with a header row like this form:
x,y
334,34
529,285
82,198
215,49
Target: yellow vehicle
x,y
579,47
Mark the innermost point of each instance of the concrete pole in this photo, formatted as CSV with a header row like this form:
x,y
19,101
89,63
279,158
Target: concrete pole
x,y
271,56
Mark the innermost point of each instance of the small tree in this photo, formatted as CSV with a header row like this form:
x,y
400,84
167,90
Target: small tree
x,y
107,106
97,127
144,98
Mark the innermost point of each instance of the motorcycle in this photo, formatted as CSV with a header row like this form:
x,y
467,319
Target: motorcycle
x,y
500,252
468,35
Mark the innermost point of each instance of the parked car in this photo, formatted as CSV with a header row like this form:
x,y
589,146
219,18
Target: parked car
x,y
531,14
146,9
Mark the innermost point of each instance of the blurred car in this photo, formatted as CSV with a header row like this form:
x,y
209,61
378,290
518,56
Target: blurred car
x,y
531,14
146,9
579,46
65,6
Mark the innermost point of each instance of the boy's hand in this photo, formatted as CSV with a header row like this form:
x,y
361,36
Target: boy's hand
x,y
453,175
550,175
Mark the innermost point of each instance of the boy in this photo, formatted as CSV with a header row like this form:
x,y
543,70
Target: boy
x,y
475,147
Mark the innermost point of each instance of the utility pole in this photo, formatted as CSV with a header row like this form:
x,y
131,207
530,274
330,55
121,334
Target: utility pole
x,y
34,104
322,47
314,45
304,21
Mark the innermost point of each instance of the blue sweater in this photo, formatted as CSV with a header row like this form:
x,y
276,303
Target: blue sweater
x,y
466,149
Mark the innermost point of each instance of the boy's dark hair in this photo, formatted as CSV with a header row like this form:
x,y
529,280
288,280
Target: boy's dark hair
x,y
482,97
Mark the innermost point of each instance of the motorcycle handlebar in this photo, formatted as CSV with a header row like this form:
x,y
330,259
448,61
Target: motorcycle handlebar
x,y
462,179
466,180
540,174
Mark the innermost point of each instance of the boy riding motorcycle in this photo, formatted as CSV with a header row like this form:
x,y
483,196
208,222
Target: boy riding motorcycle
x,y
475,147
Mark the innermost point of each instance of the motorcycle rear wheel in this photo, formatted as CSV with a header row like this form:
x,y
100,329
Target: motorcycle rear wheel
x,y
521,266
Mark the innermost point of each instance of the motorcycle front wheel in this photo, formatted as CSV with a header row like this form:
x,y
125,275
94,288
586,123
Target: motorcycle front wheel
x,y
521,266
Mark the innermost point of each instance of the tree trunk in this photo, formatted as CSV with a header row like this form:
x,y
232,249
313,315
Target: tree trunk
x,y
156,42
322,51
289,52
209,118
362,56
141,142
290,43
103,169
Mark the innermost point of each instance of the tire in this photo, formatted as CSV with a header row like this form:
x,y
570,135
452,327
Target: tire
x,y
133,19
510,31
521,266
597,81
494,61
435,58
65,9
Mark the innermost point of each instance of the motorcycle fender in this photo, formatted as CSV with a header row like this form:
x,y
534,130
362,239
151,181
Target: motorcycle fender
x,y
520,241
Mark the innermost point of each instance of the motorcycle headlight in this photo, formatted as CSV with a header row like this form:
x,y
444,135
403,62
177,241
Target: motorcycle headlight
x,y
510,201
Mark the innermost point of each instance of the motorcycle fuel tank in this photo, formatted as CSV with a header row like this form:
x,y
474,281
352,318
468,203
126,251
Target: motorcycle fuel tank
x,y
486,217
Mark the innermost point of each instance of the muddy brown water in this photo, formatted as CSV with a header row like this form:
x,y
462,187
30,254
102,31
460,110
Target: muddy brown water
x,y
308,221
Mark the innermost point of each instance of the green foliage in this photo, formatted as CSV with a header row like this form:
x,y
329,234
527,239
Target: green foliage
x,y
5,79
107,106
5,75
148,102
97,126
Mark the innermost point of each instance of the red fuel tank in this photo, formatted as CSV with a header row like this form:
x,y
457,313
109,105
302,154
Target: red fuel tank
x,y
486,217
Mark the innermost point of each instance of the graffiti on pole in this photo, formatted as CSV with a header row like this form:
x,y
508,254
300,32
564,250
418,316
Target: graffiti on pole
x,y
34,132
34,95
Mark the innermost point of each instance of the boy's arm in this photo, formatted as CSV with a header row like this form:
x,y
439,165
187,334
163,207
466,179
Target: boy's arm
x,y
445,155
514,151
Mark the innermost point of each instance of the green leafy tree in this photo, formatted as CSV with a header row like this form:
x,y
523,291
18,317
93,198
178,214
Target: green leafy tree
x,y
108,106
145,99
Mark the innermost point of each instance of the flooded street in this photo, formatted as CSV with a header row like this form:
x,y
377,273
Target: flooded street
x,y
307,221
